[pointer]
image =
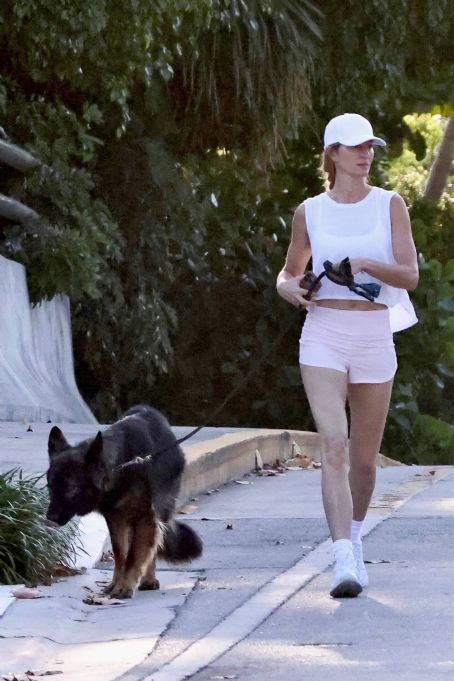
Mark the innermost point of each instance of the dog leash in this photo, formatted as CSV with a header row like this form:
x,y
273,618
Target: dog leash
x,y
236,389
340,274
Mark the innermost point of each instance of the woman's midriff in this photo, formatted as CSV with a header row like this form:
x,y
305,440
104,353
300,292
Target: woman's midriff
x,y
363,305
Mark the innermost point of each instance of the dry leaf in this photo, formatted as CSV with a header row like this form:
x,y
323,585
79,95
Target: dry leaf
x,y
295,449
277,466
107,557
383,560
300,460
102,600
187,509
306,462
66,571
25,592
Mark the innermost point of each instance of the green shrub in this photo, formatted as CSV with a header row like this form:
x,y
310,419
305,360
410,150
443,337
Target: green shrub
x,y
29,549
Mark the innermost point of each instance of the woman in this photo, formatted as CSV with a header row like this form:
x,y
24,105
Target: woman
x,y
346,347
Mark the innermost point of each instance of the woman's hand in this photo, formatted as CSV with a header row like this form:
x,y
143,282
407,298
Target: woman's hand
x,y
292,291
358,265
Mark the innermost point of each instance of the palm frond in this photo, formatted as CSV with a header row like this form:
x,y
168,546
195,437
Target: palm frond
x,y
249,78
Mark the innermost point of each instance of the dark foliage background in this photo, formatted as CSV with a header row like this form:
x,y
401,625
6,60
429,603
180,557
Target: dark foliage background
x,y
176,139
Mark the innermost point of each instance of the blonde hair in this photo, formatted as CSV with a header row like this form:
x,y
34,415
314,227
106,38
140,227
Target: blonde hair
x,y
328,167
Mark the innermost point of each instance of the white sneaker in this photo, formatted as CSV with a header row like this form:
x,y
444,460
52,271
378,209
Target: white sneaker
x,y
346,583
361,571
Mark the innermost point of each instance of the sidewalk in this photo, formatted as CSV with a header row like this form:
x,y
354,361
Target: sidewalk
x,y
248,581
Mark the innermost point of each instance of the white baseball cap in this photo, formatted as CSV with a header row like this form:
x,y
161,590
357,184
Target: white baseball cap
x,y
350,129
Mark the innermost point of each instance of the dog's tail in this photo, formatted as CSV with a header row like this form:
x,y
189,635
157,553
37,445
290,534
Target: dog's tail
x,y
180,543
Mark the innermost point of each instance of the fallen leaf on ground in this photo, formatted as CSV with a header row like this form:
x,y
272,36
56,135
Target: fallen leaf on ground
x,y
102,600
382,560
66,571
107,557
25,592
295,449
278,466
300,460
187,509
229,526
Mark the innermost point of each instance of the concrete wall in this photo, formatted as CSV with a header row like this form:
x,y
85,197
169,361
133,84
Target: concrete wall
x,y
36,362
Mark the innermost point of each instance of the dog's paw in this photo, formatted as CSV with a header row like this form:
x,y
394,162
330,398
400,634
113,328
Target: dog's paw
x,y
149,585
121,591
109,587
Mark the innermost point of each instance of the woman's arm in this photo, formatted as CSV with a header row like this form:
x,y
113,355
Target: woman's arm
x,y
404,272
298,254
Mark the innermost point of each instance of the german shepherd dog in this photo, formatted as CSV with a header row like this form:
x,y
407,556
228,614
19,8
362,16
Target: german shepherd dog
x,y
137,499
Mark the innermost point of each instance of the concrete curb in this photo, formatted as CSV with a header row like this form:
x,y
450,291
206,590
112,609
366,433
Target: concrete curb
x,y
213,463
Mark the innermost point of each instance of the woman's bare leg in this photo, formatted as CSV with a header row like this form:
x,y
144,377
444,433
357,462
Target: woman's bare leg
x,y
369,405
326,391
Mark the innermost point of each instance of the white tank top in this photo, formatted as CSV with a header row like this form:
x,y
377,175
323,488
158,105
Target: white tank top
x,y
356,230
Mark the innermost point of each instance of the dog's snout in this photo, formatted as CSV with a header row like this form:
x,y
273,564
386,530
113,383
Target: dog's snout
x,y
50,522
53,519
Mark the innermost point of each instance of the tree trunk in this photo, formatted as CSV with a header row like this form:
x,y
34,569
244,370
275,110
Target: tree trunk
x,y
441,166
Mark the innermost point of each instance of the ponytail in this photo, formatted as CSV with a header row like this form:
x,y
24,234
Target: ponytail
x,y
327,166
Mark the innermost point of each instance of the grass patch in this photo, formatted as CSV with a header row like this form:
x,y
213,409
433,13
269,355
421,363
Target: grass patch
x,y
30,550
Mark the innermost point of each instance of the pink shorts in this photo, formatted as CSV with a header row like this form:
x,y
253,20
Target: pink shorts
x,y
356,342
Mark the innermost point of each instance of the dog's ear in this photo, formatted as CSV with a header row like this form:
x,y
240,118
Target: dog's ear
x,y
57,442
95,449
95,462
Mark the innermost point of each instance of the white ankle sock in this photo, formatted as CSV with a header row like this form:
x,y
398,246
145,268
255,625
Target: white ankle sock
x,y
357,526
